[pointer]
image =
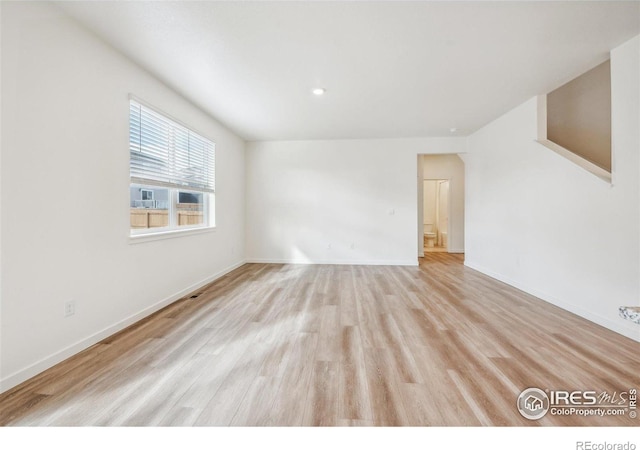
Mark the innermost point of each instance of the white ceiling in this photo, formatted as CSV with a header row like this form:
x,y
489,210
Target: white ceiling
x,y
391,69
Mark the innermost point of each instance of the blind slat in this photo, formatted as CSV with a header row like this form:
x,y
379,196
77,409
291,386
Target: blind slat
x,y
166,153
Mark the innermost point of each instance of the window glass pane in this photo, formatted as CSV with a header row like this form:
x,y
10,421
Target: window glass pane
x,y
149,207
190,208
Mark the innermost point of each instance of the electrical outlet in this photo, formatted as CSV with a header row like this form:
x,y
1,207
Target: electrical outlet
x,y
69,308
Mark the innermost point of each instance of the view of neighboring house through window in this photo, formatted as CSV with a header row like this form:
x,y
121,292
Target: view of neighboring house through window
x,y
172,174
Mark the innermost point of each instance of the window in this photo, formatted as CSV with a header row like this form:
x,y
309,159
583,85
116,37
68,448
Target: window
x,y
172,174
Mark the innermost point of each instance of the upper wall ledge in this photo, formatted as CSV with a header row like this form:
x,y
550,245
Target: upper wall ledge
x,y
568,154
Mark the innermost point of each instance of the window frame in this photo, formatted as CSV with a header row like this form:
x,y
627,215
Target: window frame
x,y
173,229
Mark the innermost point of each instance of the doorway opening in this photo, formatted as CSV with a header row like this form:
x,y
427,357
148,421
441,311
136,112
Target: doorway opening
x,y
436,215
440,218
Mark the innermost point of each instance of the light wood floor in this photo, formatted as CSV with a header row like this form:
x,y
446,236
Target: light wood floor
x,y
334,345
435,249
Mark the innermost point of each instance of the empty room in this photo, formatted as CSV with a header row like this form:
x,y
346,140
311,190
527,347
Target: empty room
x,y
331,214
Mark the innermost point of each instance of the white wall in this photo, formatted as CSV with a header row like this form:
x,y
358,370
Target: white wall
x,y
537,221
443,206
450,167
65,128
1,218
343,202
429,202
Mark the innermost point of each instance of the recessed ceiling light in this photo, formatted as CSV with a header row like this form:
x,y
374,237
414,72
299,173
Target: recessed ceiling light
x,y
318,91
453,130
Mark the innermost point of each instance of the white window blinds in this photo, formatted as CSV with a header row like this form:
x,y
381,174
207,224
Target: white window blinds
x,y
165,153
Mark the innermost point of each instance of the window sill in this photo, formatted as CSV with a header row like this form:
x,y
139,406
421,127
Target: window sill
x,y
140,238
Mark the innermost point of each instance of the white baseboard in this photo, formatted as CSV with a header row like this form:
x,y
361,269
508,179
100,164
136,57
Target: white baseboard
x,y
456,250
364,262
629,330
40,366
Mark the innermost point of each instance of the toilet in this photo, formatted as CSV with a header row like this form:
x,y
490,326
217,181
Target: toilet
x,y
429,235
